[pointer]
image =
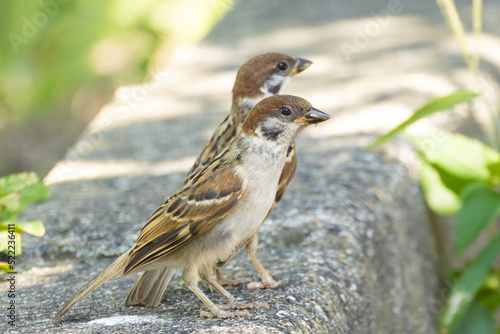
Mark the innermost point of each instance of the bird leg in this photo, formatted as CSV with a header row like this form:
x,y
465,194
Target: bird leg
x,y
224,282
190,277
215,311
267,282
232,303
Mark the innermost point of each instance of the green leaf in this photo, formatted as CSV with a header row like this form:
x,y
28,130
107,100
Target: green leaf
x,y
480,205
9,215
35,227
439,197
4,237
491,301
455,184
491,155
17,182
477,320
4,267
11,202
492,281
466,286
35,193
494,169
489,293
460,156
430,108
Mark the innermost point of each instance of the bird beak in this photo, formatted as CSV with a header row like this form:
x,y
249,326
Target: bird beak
x,y
300,66
313,116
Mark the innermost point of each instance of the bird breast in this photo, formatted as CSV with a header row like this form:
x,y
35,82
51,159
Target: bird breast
x,y
262,174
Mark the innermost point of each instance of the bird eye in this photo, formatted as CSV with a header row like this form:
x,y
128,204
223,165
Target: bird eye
x,y
282,65
285,111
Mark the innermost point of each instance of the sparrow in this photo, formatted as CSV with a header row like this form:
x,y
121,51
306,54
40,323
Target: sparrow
x,y
262,76
215,214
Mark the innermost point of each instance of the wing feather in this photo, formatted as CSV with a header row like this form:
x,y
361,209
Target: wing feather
x,y
188,213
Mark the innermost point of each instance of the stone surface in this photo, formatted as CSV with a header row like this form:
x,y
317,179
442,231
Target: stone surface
x,y
351,239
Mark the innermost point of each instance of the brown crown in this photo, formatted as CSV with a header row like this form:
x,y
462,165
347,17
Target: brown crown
x,y
252,75
271,105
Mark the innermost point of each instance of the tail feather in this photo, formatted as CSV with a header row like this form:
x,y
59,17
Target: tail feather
x,y
110,272
149,289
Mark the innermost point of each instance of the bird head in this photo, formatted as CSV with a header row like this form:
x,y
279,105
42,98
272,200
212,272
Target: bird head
x,y
280,118
266,75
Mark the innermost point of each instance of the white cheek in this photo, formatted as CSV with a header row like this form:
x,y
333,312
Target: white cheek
x,y
284,86
259,133
274,81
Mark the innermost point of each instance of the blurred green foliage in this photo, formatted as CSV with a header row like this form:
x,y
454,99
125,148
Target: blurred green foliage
x,y
460,176
16,192
52,49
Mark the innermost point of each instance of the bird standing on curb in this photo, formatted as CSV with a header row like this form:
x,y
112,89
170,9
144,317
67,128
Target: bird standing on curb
x,y
260,77
215,213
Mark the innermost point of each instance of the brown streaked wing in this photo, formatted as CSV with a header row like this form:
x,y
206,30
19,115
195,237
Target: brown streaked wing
x,y
187,214
221,136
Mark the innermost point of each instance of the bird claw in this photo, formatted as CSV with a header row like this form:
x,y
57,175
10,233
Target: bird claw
x,y
232,282
242,305
271,284
224,314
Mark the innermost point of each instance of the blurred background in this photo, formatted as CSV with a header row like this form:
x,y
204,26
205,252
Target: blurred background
x,y
61,60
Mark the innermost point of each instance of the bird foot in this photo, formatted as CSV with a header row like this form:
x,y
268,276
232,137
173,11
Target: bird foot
x,y
242,305
231,282
224,314
267,284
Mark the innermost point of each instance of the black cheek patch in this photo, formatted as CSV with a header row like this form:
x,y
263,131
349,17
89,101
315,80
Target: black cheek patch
x,y
274,89
271,132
